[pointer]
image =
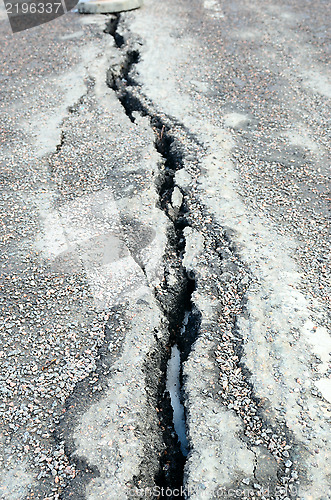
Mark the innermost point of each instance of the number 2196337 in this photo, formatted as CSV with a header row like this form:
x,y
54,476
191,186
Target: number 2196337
x,y
32,8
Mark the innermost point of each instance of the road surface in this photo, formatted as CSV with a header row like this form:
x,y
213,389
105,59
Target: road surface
x,y
164,192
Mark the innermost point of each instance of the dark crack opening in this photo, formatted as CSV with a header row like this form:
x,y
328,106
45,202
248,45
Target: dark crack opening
x,y
174,300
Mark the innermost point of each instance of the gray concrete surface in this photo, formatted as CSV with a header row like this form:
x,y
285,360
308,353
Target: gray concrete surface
x,y
166,168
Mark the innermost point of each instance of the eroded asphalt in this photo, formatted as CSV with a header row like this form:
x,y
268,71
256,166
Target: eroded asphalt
x,y
164,180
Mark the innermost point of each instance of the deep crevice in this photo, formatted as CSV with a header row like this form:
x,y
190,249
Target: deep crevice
x,y
119,79
112,29
175,300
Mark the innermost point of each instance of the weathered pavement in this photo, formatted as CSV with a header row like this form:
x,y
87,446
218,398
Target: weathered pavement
x,y
158,193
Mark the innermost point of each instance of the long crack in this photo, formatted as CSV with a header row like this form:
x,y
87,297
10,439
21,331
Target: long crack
x,y
174,299
175,303
175,294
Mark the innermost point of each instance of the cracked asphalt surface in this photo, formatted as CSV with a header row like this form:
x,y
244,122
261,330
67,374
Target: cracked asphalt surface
x,y
167,167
